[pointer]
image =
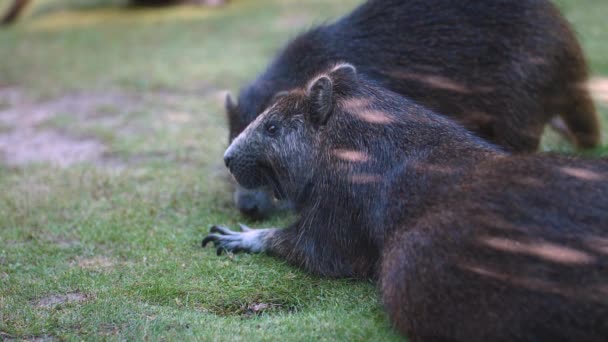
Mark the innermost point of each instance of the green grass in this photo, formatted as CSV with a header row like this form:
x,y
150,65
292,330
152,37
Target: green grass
x,y
121,235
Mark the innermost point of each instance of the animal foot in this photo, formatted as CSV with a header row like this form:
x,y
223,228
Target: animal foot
x,y
247,240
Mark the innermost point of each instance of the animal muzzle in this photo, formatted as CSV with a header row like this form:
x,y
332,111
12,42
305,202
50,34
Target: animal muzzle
x,y
244,168
255,203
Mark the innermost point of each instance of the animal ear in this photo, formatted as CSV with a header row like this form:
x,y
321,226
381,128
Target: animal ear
x,y
320,93
323,90
344,74
234,119
229,104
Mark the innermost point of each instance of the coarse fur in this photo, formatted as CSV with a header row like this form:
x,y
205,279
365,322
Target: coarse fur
x,y
501,68
468,242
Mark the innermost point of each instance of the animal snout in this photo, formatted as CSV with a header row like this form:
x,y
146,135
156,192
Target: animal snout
x,y
256,204
228,159
250,209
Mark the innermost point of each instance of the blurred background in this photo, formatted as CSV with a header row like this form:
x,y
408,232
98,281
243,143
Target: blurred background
x,y
112,129
82,79
94,73
87,76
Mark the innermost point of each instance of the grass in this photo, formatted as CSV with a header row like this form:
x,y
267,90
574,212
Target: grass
x,y
111,248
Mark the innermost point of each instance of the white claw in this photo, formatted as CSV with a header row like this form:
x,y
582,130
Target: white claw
x,y
244,228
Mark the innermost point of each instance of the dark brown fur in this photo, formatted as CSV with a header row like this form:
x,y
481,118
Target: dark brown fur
x,y
516,251
501,68
469,243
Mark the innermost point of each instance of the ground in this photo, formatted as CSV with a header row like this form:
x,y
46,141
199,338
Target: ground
x,y
111,136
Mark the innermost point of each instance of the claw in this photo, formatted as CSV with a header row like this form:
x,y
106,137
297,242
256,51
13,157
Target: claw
x,y
210,238
226,240
244,228
221,230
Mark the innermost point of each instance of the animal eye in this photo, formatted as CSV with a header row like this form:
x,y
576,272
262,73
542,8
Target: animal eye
x,y
271,128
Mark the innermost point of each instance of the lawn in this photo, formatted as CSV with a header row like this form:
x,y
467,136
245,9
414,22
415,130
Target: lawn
x,y
116,128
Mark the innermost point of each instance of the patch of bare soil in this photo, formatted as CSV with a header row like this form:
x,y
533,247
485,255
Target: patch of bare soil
x,y
53,300
24,113
10,338
251,309
28,134
599,89
23,142
109,329
63,242
24,146
96,263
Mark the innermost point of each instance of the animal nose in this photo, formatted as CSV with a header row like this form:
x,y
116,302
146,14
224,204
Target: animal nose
x,y
251,211
227,160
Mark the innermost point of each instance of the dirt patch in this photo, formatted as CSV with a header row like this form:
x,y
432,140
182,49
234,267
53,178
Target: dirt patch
x,y
25,146
23,141
254,309
45,338
73,128
109,329
65,243
251,309
9,338
96,263
54,300
25,113
599,89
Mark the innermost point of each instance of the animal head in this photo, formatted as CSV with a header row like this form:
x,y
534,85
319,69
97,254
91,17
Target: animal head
x,y
252,100
256,203
279,148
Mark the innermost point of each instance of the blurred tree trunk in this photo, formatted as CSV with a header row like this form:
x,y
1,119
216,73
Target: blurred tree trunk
x,y
13,12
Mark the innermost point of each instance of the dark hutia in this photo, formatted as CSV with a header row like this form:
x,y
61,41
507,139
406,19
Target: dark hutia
x,y
501,68
468,243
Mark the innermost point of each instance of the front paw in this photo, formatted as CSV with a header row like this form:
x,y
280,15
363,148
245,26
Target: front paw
x,y
247,240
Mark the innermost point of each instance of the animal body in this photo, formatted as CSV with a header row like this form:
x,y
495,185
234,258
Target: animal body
x,y
468,242
501,68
